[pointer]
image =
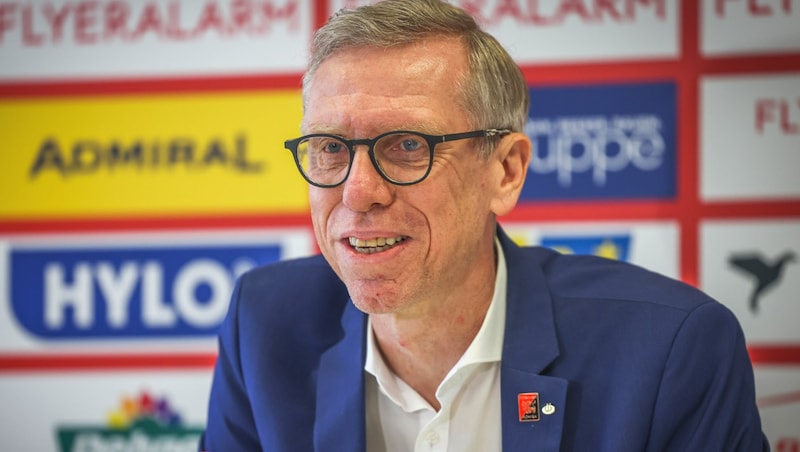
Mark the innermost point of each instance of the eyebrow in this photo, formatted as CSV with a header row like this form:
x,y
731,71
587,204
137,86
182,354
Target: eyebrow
x,y
421,127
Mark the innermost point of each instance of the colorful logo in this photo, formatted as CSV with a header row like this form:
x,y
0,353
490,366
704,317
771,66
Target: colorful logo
x,y
528,405
145,291
140,424
602,142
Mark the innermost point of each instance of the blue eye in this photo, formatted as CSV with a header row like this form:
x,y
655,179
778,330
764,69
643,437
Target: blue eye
x,y
333,147
410,144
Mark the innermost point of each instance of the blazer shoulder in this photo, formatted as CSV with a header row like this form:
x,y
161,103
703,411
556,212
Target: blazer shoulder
x,y
297,294
581,276
298,279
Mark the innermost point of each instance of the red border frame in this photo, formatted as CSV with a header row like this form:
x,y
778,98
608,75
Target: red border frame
x,y
117,361
51,362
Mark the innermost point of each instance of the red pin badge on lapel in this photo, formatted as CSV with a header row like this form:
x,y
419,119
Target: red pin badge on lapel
x,y
528,404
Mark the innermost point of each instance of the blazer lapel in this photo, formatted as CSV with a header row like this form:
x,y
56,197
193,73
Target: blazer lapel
x,y
533,410
532,404
340,420
529,346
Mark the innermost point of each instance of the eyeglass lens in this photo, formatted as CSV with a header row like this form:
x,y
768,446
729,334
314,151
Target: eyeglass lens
x,y
402,157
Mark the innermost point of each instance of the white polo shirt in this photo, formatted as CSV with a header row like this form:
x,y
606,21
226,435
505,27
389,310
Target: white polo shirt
x,y
400,420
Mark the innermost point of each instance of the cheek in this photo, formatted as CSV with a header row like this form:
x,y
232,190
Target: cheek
x,y
447,211
321,202
467,195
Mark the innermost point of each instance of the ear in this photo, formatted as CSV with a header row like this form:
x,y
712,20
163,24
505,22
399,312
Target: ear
x,y
511,159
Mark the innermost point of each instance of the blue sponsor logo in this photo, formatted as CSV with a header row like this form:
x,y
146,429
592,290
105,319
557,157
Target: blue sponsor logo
x,y
608,246
128,292
602,142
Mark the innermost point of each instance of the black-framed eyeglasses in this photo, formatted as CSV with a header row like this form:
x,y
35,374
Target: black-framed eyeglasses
x,y
402,157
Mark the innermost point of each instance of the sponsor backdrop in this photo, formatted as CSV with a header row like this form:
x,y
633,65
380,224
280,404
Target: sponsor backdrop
x,y
142,171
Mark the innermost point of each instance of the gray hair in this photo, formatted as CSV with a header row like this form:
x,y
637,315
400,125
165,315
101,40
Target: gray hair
x,y
493,92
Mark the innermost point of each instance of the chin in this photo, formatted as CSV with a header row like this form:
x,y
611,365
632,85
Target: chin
x,y
373,305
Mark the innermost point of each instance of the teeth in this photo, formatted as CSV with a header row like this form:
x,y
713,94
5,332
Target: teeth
x,y
374,245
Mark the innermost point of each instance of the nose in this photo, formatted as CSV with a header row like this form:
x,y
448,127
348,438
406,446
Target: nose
x,y
365,188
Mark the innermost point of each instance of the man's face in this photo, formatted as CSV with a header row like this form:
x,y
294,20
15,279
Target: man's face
x,y
441,228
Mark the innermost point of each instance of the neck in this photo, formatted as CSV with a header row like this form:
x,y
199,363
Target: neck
x,y
421,347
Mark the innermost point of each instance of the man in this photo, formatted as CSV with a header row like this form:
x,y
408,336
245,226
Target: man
x,y
445,335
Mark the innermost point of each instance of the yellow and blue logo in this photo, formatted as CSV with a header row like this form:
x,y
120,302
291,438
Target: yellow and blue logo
x,y
608,246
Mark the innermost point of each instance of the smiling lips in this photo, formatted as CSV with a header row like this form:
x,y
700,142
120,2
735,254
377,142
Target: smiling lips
x,y
375,245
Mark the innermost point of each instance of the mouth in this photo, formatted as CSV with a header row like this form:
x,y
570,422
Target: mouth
x,y
375,245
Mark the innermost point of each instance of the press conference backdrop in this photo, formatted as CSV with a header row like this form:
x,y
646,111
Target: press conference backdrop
x,y
142,170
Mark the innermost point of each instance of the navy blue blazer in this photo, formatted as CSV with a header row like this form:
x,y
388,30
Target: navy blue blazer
x,y
628,359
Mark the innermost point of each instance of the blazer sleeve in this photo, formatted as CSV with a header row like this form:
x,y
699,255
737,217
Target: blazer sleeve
x,y
230,425
706,399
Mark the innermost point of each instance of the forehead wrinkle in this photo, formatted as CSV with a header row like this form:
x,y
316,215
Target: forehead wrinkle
x,y
413,126
342,101
374,118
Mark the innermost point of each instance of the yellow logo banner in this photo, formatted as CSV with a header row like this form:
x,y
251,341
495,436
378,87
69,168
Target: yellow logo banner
x,y
150,155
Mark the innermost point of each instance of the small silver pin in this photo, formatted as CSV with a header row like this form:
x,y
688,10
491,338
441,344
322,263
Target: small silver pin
x,y
548,409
